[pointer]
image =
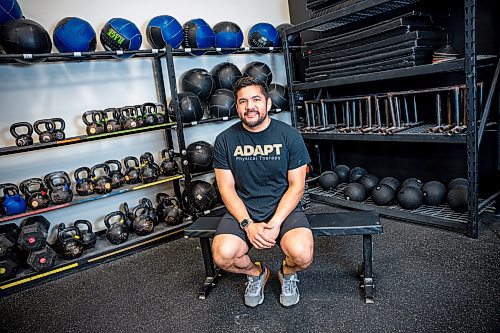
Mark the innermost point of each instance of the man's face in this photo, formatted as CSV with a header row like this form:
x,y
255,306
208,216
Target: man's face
x,y
252,106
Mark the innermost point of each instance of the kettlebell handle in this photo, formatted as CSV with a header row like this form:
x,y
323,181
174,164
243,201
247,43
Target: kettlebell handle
x,y
148,108
9,189
50,179
147,157
142,208
161,196
95,115
146,202
128,159
167,152
116,163
59,121
26,185
104,166
64,234
113,215
49,124
84,222
15,126
79,171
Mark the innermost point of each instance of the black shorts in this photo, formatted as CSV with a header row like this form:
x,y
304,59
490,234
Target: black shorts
x,y
229,225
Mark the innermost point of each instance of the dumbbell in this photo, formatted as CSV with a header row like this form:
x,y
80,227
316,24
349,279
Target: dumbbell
x,y
34,231
42,259
8,237
13,258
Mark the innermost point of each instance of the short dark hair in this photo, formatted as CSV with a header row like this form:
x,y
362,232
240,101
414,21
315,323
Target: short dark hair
x,y
250,81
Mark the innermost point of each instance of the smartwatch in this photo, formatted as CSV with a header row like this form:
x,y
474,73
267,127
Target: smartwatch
x,y
245,223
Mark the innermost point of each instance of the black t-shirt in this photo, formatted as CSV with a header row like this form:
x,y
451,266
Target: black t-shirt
x,y
260,163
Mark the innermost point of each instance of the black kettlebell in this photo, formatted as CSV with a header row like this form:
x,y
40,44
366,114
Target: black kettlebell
x,y
59,186
143,222
22,140
84,184
150,171
115,173
138,115
59,127
95,124
12,201
161,117
113,124
102,182
87,237
35,192
128,116
168,166
45,135
129,217
151,210
117,232
132,170
168,209
148,112
70,243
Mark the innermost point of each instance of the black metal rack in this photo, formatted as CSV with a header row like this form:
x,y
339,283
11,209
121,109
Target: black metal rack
x,y
469,65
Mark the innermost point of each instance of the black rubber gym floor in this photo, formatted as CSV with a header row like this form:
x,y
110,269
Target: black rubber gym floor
x,y
427,280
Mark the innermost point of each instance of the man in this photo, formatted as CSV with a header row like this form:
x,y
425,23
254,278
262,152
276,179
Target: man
x,y
260,167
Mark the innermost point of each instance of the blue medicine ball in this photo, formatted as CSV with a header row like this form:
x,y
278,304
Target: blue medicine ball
x,y
198,34
9,10
162,30
120,34
263,35
227,34
72,34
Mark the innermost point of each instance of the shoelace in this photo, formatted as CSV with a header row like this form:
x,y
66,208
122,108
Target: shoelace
x,y
289,285
253,286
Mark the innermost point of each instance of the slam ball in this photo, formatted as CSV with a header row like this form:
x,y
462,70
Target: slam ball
x,y
328,180
356,173
163,30
227,35
390,181
73,34
198,81
355,192
457,182
198,34
200,155
190,107
263,35
383,195
458,197
9,10
410,197
279,96
259,71
225,75
222,104
292,39
369,181
434,193
415,182
119,34
342,171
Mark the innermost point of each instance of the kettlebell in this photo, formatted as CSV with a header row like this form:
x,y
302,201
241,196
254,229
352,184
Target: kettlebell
x,y
95,124
22,140
87,237
151,210
168,209
129,217
112,124
60,125
143,223
168,166
35,192
128,116
148,112
13,202
115,173
70,243
117,232
161,117
138,115
84,185
150,171
47,135
102,183
132,170
59,186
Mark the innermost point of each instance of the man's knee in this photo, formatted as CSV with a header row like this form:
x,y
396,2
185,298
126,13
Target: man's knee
x,y
299,247
225,251
302,255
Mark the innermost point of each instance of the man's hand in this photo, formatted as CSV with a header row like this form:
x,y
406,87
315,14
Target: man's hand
x,y
271,231
259,237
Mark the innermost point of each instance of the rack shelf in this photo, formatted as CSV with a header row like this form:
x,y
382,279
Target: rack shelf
x,y
125,189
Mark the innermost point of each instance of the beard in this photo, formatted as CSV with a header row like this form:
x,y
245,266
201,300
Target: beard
x,y
253,122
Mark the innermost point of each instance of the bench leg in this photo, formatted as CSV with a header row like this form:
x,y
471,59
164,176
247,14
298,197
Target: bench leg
x,y
368,284
212,272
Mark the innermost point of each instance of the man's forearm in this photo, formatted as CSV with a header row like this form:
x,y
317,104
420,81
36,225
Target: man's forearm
x,y
234,204
287,204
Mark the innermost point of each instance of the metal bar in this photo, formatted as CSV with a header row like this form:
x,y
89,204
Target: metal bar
x,y
415,109
486,201
289,81
457,106
487,107
323,114
208,261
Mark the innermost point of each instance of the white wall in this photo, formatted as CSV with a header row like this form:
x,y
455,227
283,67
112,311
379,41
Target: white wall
x,y
66,90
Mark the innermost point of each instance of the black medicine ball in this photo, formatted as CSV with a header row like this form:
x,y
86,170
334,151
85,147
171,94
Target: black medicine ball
x,y
369,181
434,193
259,71
457,182
356,173
198,81
190,105
458,197
343,172
390,181
222,104
415,182
199,196
200,155
383,195
24,36
279,96
410,197
355,192
328,180
225,75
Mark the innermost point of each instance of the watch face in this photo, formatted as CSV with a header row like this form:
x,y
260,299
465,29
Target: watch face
x,y
244,223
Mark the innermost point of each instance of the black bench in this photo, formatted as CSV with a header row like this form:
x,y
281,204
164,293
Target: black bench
x,y
363,223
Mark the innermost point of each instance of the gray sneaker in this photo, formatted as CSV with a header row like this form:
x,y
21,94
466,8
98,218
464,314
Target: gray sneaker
x,y
254,293
289,291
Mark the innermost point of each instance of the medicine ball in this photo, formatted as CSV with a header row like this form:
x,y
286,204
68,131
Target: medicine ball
x,y
225,75
190,105
163,30
259,71
9,10
216,187
457,182
227,35
383,195
24,36
410,197
279,96
199,196
198,34
458,198
369,181
328,180
355,192
391,181
198,81
263,35
200,156
343,172
73,34
434,193
356,173
292,39
222,104
119,34
415,182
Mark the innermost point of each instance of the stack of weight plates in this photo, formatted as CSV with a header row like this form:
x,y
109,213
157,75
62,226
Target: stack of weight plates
x,y
403,41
